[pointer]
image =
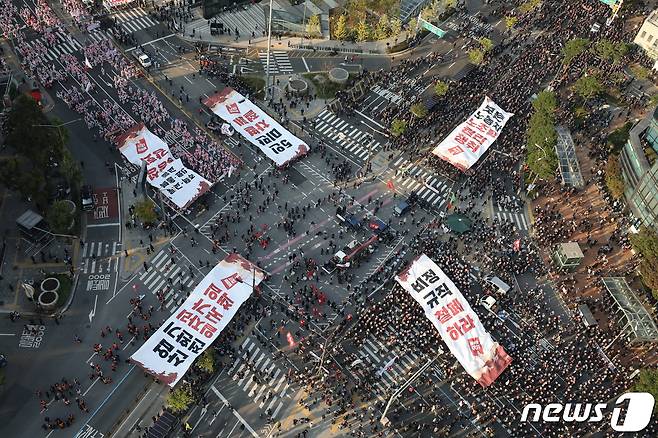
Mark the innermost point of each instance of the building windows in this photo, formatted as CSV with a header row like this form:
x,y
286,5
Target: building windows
x,y
644,32
650,38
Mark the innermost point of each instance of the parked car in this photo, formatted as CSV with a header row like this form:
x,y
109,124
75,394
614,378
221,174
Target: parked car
x,y
87,198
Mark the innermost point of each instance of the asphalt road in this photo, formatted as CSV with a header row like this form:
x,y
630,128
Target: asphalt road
x,y
100,303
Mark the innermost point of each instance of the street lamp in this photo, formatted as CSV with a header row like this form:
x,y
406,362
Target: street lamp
x,y
57,127
269,45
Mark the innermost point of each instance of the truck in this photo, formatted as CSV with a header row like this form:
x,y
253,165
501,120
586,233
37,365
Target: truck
x,y
351,252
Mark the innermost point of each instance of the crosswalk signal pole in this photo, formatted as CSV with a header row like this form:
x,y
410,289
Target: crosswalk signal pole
x,y
267,65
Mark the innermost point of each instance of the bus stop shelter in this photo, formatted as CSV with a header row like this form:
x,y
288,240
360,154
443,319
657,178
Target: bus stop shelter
x,y
636,323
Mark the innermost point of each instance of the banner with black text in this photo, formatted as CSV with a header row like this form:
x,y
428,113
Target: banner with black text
x,y
457,323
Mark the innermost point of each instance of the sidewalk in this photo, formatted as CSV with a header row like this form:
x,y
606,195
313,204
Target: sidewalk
x,y
198,31
136,239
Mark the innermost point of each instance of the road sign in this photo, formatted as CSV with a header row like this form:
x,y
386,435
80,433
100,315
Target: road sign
x,y
432,28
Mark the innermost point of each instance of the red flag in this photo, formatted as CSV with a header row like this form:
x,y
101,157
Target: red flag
x,y
517,245
390,185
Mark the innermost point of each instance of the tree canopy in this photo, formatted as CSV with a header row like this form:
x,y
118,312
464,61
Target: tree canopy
x,y
441,88
647,381
573,48
541,136
145,211
180,398
60,217
398,127
419,110
646,243
588,86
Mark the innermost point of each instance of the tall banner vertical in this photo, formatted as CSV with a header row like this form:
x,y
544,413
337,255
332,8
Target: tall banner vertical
x,y
194,326
464,146
459,326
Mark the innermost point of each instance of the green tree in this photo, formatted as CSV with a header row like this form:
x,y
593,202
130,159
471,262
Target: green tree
x,y
60,217
510,22
180,398
588,86
613,178
36,143
395,26
31,185
398,127
412,25
640,72
609,50
541,136
206,362
313,25
545,102
382,30
419,110
145,211
573,48
441,88
363,31
476,56
70,169
9,169
486,44
653,101
341,32
647,381
646,243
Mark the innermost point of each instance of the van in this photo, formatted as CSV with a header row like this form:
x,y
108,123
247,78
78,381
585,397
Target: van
x,y
488,303
144,60
401,208
499,284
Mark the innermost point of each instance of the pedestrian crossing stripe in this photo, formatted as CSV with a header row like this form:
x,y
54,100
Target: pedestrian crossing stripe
x,y
517,219
158,275
261,361
387,94
133,20
279,62
99,249
352,138
65,44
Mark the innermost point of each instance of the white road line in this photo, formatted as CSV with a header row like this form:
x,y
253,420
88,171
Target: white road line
x,y
305,64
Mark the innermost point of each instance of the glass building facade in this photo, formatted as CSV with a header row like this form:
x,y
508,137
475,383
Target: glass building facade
x,y
640,170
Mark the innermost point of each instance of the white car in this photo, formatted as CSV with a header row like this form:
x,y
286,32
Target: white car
x,y
144,60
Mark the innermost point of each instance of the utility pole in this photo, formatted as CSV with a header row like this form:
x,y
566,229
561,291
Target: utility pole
x,y
269,46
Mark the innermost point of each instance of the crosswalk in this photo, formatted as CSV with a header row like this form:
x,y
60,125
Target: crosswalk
x,y
97,257
65,44
389,365
412,177
387,94
516,218
279,62
269,394
349,137
162,272
134,20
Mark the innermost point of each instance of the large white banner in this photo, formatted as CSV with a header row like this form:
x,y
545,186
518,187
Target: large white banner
x,y
470,140
164,172
257,126
459,326
172,349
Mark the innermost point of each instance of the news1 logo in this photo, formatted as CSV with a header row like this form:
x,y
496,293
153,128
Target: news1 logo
x,y
638,412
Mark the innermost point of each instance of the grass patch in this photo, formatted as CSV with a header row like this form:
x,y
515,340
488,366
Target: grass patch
x,y
65,287
256,86
324,88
